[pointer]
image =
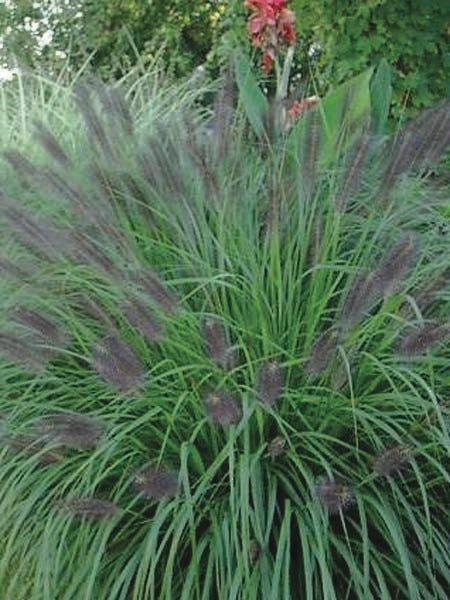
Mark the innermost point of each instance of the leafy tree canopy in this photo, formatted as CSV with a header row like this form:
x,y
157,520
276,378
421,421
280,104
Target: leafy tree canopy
x,y
335,39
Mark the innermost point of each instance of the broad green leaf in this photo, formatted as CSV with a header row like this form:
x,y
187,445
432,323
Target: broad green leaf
x,y
342,113
381,95
344,109
253,100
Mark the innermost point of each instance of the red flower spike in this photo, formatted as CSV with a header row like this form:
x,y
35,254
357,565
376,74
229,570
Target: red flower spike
x,y
270,26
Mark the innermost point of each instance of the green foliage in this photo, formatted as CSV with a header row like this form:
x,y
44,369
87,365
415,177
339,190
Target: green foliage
x,y
253,100
413,37
336,40
111,37
381,96
255,240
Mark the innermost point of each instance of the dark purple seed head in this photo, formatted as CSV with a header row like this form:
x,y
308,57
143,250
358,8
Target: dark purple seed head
x,y
216,343
41,237
276,447
73,430
270,382
358,300
51,145
85,251
96,130
223,114
157,291
395,266
334,496
31,445
156,482
138,315
424,338
392,460
89,508
8,267
116,362
322,352
42,328
19,350
355,163
222,408
22,166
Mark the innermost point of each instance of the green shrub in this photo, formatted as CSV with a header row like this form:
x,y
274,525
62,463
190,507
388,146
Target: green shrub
x,y
223,369
347,37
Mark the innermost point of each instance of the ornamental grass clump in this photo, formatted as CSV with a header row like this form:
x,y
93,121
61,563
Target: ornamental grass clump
x,y
204,390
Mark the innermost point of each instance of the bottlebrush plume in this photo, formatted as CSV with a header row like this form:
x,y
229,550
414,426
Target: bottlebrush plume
x,y
438,140
20,350
421,142
43,329
424,338
94,309
11,268
87,251
74,430
161,168
334,496
395,266
35,233
354,167
392,460
116,362
429,293
31,445
89,508
222,408
26,172
157,290
156,482
95,128
51,145
62,187
358,299
223,114
138,315
312,138
216,343
269,383
322,352
116,108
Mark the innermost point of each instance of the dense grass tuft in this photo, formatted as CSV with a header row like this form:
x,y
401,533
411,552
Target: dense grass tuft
x,y
223,361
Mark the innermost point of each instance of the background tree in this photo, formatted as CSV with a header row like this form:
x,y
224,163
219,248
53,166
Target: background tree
x,y
340,39
335,40
109,37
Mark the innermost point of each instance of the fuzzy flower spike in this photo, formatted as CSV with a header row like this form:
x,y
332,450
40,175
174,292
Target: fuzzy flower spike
x,y
270,26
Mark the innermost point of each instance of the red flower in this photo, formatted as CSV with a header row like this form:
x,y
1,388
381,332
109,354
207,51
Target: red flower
x,y
300,106
270,26
285,25
268,60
